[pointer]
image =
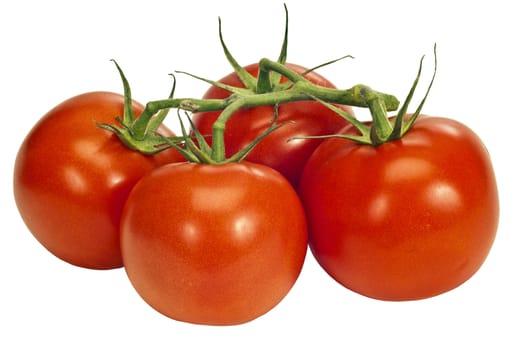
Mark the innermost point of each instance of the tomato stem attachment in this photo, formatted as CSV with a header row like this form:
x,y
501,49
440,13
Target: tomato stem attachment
x,y
390,129
266,90
197,150
383,128
139,133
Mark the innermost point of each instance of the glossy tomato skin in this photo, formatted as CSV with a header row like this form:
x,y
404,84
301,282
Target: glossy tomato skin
x,y
213,244
71,179
288,157
407,220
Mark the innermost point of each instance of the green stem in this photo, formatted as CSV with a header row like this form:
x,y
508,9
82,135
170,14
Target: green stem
x,y
303,90
300,90
264,84
141,125
218,130
381,127
359,95
267,65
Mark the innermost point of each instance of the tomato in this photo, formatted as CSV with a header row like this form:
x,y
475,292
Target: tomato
x,y
71,179
213,244
276,151
409,219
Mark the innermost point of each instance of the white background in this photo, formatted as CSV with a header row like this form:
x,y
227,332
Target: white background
x,y
52,50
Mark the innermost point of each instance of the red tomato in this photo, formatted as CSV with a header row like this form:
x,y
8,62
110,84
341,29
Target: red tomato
x,y
71,179
213,244
409,219
276,151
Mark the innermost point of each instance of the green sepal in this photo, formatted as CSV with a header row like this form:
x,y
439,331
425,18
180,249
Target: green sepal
x,y
282,58
362,128
229,88
363,140
200,149
415,115
381,129
201,152
139,134
289,84
397,131
246,78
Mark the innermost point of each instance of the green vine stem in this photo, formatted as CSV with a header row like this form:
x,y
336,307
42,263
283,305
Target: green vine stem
x,y
383,128
137,133
266,90
358,96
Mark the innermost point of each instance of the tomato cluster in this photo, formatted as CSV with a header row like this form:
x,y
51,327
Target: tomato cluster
x,y
213,227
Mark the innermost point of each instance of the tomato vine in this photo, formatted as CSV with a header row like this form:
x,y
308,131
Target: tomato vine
x,y
390,220
265,90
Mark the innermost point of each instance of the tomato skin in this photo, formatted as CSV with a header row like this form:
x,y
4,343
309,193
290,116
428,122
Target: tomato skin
x,y
213,244
71,179
410,219
288,157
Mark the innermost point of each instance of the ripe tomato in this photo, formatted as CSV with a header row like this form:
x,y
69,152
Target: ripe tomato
x,y
409,219
213,244
276,151
71,179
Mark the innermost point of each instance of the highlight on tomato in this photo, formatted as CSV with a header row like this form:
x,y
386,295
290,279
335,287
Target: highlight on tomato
x,y
71,178
402,209
220,240
212,227
214,244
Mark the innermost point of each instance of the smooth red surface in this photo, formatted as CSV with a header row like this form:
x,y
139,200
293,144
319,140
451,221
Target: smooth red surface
x,y
213,244
71,179
409,219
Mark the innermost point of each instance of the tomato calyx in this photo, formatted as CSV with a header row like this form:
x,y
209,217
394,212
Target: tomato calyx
x,y
276,84
268,80
383,128
272,76
399,125
140,134
196,149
